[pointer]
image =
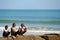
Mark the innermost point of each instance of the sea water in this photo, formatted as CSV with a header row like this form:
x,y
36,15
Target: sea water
x,y
45,20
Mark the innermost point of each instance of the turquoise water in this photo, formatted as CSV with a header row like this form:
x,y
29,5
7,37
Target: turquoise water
x,y
31,18
30,14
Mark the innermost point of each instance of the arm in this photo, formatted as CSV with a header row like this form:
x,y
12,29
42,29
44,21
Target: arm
x,y
25,29
19,29
12,30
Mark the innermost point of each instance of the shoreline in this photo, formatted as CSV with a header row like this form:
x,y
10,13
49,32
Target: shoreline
x,y
37,32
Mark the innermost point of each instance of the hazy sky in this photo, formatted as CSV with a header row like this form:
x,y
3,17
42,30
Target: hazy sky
x,y
29,4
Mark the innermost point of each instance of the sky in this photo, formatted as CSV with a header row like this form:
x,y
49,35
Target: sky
x,y
29,4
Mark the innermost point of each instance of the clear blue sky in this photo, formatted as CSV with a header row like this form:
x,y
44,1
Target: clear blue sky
x,y
29,4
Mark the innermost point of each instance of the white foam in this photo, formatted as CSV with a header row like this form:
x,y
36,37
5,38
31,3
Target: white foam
x,y
40,32
1,28
34,32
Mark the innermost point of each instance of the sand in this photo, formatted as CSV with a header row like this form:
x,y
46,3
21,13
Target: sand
x,y
32,37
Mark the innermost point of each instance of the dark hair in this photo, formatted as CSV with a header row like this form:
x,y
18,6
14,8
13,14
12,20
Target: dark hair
x,y
6,26
22,24
14,24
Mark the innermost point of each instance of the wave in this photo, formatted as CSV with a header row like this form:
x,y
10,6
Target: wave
x,y
37,28
44,28
31,21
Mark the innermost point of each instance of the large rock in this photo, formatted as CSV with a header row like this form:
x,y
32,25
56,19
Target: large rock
x,y
39,38
31,37
54,34
53,37
9,38
3,38
24,38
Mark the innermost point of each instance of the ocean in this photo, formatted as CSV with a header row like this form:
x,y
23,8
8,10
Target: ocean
x,y
46,20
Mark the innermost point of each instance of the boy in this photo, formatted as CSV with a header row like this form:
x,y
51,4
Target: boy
x,y
22,29
14,30
6,32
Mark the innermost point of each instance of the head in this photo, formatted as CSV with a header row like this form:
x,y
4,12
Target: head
x,y
14,24
6,27
22,25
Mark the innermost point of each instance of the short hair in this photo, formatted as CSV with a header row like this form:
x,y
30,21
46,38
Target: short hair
x,y
6,26
13,24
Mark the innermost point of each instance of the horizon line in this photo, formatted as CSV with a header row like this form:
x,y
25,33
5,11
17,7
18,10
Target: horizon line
x,y
29,9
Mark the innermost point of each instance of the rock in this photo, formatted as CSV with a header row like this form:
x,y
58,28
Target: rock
x,y
54,34
9,38
3,38
39,38
24,38
31,37
53,37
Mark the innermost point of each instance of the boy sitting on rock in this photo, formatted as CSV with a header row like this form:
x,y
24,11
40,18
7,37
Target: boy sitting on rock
x,y
6,31
22,29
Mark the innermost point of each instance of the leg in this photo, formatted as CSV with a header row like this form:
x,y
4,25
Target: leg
x,y
22,33
13,34
19,32
7,34
16,33
4,34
